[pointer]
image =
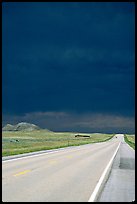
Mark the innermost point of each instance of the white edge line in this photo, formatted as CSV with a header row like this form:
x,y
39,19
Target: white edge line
x,y
33,155
129,146
40,154
28,156
94,194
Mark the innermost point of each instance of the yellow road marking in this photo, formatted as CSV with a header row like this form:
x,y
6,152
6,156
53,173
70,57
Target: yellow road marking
x,y
69,156
22,172
53,161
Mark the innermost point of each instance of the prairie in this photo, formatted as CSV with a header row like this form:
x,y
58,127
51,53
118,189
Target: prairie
x,y
130,139
18,142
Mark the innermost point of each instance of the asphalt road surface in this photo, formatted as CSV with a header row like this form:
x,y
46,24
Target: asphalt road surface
x,y
67,175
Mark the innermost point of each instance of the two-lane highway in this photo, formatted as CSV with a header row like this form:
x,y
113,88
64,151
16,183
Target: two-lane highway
x,y
68,175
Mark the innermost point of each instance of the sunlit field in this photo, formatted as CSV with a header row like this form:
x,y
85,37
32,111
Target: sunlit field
x,y
18,142
130,139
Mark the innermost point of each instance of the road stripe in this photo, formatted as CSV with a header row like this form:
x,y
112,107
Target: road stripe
x,y
47,152
69,156
96,190
22,172
52,161
28,156
129,146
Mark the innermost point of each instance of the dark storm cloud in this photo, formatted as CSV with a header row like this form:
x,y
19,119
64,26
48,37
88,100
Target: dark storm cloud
x,y
78,122
68,57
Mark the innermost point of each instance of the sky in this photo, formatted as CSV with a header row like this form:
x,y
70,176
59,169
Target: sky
x,y
69,66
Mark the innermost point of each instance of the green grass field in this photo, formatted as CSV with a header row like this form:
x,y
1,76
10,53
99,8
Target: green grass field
x,y
130,139
18,142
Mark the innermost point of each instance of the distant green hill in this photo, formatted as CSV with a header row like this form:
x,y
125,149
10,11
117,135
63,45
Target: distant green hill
x,y
23,126
8,127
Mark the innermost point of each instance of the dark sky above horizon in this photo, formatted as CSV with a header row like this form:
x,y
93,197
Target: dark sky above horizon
x,y
69,65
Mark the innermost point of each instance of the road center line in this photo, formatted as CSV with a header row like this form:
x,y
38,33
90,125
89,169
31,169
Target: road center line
x,y
22,172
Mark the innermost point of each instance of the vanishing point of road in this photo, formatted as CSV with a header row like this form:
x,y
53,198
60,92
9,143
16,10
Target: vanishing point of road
x,y
70,174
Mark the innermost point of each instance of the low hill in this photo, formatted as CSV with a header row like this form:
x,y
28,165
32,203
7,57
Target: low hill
x,y
23,126
8,127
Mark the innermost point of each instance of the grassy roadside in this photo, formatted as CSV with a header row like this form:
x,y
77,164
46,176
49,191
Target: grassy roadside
x,y
130,139
19,142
